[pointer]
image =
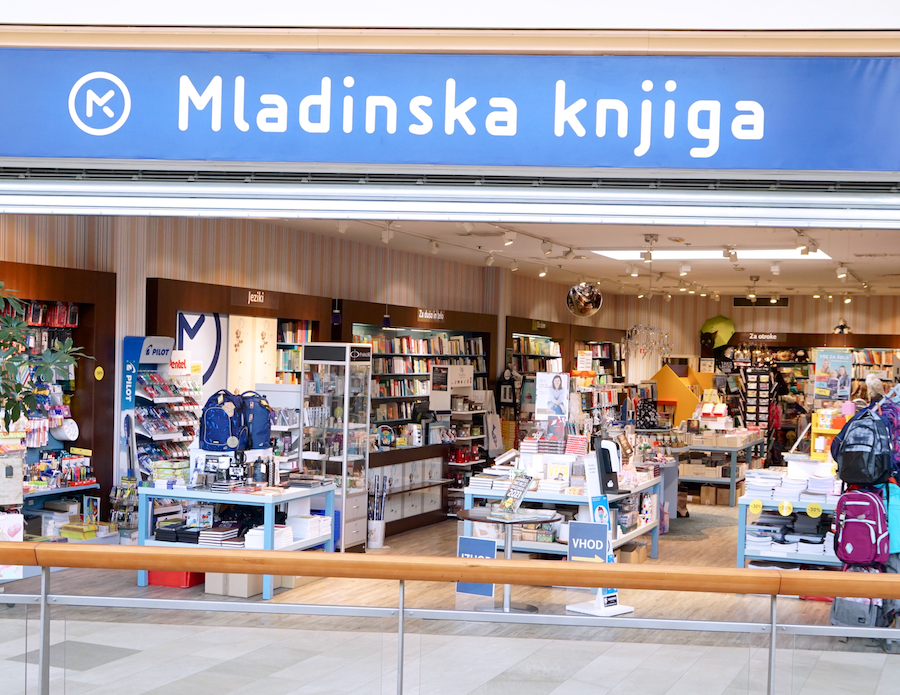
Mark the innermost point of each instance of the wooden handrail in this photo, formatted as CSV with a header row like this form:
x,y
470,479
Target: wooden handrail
x,y
451,569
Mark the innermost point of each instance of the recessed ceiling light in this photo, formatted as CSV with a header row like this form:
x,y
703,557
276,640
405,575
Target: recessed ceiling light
x,y
692,254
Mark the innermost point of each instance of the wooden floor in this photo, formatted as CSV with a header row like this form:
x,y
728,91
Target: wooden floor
x,y
706,539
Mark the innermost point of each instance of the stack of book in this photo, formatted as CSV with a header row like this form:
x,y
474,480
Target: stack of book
x,y
218,533
553,485
78,530
308,526
255,537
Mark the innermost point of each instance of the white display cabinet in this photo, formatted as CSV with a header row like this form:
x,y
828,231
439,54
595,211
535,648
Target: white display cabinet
x,y
335,418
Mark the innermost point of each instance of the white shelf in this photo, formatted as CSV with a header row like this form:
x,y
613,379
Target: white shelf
x,y
454,464
468,439
468,412
285,428
534,496
631,535
162,437
296,545
711,481
159,400
801,558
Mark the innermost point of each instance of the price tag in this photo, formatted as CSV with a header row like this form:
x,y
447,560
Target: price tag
x,y
834,470
756,506
814,510
786,508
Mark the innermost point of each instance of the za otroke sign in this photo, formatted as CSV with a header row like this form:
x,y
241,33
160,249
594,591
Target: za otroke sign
x,y
815,114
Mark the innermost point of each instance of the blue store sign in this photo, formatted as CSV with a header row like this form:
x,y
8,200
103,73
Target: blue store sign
x,y
816,114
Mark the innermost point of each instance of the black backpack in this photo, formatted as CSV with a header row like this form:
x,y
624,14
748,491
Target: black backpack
x,y
864,457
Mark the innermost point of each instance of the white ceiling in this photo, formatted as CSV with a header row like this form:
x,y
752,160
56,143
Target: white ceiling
x,y
870,255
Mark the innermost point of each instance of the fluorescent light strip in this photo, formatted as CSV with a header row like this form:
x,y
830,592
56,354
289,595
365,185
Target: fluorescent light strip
x,y
791,254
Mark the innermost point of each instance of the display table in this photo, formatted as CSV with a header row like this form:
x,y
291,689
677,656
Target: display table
x,y
798,558
654,485
483,515
733,479
146,495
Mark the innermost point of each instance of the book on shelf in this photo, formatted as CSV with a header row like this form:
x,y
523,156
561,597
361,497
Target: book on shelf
x,y
387,388
439,344
536,345
295,332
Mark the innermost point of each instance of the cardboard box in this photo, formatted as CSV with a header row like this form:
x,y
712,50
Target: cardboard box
x,y
238,585
634,553
708,494
722,493
682,502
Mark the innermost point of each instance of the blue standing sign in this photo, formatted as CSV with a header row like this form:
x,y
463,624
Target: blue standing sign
x,y
480,548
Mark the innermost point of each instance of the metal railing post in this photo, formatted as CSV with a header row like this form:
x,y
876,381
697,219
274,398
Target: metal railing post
x,y
401,614
773,639
44,654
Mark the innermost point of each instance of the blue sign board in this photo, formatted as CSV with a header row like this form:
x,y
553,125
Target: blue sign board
x,y
588,542
481,548
756,113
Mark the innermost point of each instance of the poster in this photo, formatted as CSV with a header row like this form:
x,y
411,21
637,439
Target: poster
x,y
707,365
834,369
12,528
551,395
203,335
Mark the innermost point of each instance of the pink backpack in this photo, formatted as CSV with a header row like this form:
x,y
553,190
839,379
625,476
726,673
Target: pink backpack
x,y
861,536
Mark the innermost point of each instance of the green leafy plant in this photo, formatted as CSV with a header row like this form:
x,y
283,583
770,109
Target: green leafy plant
x,y
21,372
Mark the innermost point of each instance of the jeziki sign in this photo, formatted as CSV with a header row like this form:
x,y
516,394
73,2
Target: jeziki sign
x,y
757,113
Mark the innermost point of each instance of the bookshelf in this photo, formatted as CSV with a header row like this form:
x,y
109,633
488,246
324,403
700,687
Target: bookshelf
x,y
606,359
402,359
536,353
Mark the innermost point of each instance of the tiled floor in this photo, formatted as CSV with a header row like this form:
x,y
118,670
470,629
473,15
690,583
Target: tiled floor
x,y
99,658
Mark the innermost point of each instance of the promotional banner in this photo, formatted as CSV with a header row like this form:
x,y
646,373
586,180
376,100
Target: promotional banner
x,y
653,112
834,370
551,395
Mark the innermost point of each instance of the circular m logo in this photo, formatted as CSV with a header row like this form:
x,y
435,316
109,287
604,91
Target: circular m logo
x,y
99,103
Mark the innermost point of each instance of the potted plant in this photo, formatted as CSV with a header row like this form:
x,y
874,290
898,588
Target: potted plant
x,y
21,372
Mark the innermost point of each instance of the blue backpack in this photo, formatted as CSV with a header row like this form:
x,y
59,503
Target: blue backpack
x,y
222,425
257,419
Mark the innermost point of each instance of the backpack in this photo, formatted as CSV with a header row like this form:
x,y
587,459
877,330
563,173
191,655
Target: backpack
x,y
257,419
861,531
890,413
864,457
858,612
222,423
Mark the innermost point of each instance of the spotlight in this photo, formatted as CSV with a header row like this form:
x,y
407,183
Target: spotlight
x,y
716,296
682,287
730,254
776,269
847,300
386,235
641,295
634,271
774,299
703,293
335,314
817,296
546,247
646,256
386,319
489,260
342,226
830,299
569,255
685,269
692,290
668,297
469,227
514,267
508,238
543,272
435,247
581,280
751,294
812,248
841,271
